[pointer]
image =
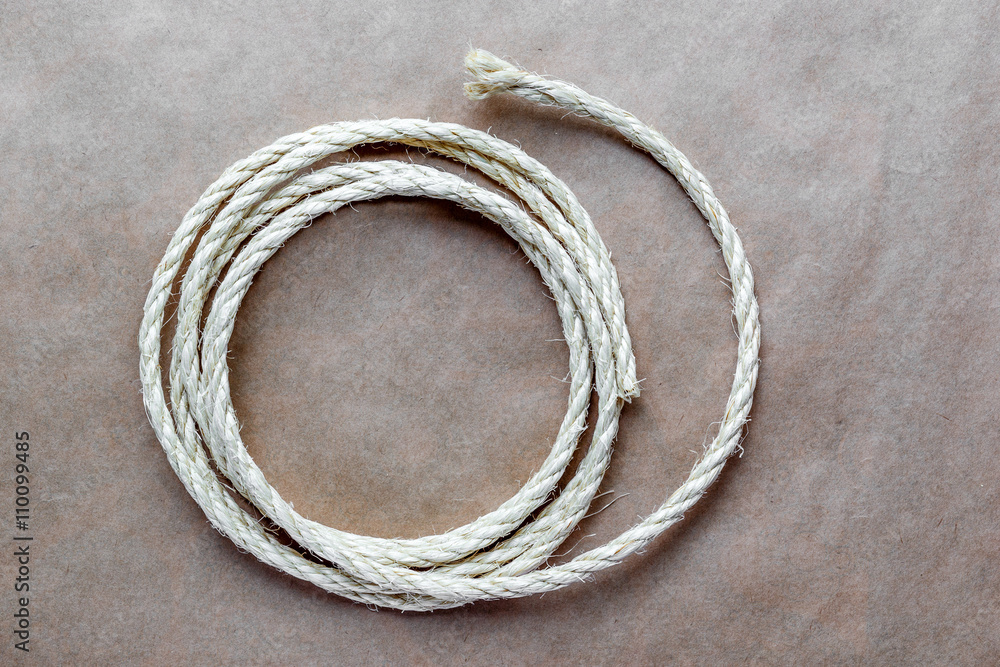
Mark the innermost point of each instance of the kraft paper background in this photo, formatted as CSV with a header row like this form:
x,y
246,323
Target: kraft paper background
x,y
396,366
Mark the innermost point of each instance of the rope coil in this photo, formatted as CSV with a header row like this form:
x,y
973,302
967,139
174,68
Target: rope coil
x,y
259,202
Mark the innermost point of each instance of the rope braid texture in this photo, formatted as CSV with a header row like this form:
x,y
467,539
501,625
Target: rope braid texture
x,y
259,202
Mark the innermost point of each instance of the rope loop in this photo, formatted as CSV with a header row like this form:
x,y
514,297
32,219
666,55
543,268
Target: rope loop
x,y
261,201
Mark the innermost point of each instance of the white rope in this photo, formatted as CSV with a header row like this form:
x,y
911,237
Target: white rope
x,y
259,202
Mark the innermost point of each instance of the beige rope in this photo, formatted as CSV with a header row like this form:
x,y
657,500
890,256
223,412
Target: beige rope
x,y
259,202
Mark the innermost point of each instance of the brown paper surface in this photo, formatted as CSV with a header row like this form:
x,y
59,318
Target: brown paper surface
x,y
397,366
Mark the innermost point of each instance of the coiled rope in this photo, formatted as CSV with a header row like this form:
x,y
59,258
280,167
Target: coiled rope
x,y
259,202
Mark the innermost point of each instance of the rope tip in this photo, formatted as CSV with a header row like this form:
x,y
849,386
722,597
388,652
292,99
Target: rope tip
x,y
628,388
492,74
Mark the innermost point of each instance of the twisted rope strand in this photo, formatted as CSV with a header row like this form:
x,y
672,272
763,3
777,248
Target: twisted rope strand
x,y
261,201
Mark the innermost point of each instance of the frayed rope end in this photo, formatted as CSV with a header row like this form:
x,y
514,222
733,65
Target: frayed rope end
x,y
493,75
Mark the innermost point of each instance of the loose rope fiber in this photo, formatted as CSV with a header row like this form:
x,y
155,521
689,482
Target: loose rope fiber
x,y
261,201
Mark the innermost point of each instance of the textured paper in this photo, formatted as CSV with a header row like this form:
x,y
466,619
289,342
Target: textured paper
x,y
855,150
